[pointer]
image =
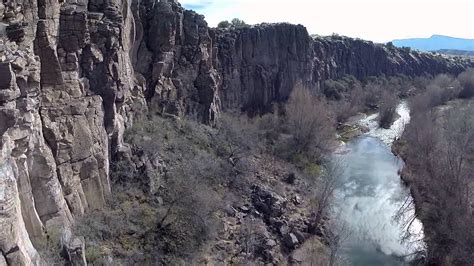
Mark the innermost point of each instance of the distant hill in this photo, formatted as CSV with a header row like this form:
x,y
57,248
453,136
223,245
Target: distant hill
x,y
456,52
436,42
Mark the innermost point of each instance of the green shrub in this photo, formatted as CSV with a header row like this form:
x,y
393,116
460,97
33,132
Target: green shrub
x,y
94,253
224,24
238,23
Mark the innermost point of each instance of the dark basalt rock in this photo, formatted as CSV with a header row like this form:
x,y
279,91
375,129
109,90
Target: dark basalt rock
x,y
290,240
75,74
261,64
16,31
267,202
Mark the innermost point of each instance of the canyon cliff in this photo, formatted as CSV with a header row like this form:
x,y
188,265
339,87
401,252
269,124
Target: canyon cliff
x,y
74,74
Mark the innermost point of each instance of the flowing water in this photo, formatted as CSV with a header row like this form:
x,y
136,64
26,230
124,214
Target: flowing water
x,y
371,194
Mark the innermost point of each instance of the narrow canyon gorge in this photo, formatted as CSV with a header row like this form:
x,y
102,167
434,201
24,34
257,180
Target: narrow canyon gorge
x,y
76,74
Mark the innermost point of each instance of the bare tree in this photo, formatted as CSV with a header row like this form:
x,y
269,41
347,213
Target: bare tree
x,y
388,108
467,82
325,185
440,159
309,122
412,237
354,103
236,138
337,237
373,92
251,240
442,81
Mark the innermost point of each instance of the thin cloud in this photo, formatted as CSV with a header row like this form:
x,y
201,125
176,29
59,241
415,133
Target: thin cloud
x,y
197,5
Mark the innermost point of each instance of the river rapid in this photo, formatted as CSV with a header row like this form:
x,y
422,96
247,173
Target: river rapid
x,y
370,195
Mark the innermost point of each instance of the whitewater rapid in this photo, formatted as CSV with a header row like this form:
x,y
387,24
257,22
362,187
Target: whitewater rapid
x,y
371,194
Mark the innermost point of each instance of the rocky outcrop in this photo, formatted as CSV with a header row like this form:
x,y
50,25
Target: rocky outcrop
x,y
75,73
336,56
32,198
54,124
176,57
261,64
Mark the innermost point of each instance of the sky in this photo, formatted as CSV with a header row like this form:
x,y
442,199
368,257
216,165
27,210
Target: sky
x,y
378,21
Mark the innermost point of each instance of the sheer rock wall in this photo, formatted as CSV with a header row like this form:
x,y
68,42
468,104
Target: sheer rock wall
x,y
75,73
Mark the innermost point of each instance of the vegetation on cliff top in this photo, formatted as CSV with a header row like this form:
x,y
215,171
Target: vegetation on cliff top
x,y
234,23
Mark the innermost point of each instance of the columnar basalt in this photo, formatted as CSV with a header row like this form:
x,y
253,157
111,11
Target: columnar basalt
x,y
261,64
75,73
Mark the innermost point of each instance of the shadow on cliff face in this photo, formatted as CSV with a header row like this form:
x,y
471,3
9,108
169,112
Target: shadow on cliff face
x,y
77,72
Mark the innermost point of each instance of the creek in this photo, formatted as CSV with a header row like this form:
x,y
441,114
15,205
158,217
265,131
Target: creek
x,y
370,195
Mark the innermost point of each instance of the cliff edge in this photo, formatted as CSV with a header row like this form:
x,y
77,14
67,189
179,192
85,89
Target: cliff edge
x,y
75,73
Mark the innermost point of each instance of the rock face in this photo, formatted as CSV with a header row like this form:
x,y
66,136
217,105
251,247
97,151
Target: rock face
x,y
53,136
261,64
75,73
175,57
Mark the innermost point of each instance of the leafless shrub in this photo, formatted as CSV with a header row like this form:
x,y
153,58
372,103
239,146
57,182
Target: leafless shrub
x,y
442,81
237,137
421,82
406,216
309,123
186,217
467,82
373,92
251,240
271,125
440,159
351,106
440,90
434,95
338,235
387,110
438,96
173,221
324,187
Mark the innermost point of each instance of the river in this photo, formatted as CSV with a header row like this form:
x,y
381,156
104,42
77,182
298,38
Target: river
x,y
370,194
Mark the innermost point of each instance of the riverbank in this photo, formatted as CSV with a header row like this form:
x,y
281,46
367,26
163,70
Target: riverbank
x,y
438,196
367,123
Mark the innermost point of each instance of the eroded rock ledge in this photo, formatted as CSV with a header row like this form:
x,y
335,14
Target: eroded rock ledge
x,y
75,73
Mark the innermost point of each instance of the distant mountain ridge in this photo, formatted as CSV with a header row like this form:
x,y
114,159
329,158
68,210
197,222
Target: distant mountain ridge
x,y
454,52
436,42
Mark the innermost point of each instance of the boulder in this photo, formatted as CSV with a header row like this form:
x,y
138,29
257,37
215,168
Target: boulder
x,y
16,31
76,252
290,178
267,202
8,88
290,240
